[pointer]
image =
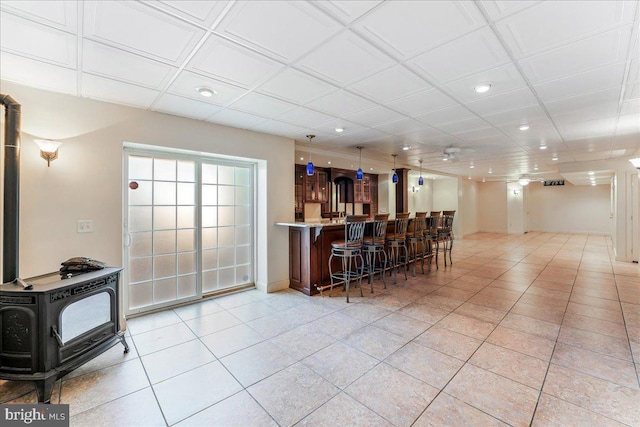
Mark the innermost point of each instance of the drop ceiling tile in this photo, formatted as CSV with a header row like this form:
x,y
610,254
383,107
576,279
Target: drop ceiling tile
x,y
584,101
296,86
59,14
346,11
304,117
202,13
120,93
262,105
506,101
422,102
366,134
401,126
285,30
576,84
120,65
341,103
552,24
540,130
626,141
588,54
186,83
26,38
230,62
443,116
463,126
422,136
236,119
632,91
588,112
38,74
465,56
629,125
345,59
588,129
631,107
516,116
503,79
329,127
140,29
407,28
392,83
480,134
374,116
500,9
274,127
185,107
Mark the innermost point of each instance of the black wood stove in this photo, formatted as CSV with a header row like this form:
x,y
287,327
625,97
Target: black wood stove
x,y
57,325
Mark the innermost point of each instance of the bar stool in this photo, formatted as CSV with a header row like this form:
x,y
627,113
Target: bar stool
x,y
431,236
349,251
397,241
445,236
435,213
373,247
415,239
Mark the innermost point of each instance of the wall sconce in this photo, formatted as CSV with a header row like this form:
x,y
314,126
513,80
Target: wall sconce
x,y
48,149
516,192
415,189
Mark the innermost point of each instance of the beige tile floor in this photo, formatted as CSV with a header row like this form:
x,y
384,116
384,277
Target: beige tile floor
x,y
541,329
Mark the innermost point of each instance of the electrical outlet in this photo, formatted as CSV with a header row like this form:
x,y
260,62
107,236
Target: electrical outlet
x,y
85,226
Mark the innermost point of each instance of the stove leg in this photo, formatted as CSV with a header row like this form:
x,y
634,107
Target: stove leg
x,y
45,388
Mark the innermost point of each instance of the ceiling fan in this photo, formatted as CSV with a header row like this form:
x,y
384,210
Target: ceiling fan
x,y
451,153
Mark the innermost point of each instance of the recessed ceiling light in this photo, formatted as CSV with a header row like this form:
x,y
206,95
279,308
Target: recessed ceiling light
x,y
339,130
535,168
484,180
543,147
370,169
554,157
482,87
593,183
329,162
206,92
471,166
444,159
490,170
301,158
351,165
591,172
406,147
523,127
469,177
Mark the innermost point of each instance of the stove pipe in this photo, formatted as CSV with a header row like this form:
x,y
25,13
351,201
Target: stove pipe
x,y
11,216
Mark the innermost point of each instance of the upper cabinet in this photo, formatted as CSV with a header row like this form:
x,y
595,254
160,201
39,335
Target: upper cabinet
x,y
317,187
362,190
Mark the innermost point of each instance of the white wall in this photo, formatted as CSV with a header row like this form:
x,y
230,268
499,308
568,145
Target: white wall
x,y
422,200
492,207
569,208
86,181
515,209
468,205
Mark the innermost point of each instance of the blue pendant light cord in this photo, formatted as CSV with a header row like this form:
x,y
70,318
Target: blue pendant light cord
x,y
420,180
310,167
359,173
394,178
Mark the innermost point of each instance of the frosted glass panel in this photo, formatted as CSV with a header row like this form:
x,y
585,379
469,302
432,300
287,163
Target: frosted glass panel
x,y
139,218
209,195
140,244
225,215
186,171
186,194
243,274
164,193
243,235
140,168
225,236
242,195
227,257
209,174
164,290
209,238
226,175
140,294
209,281
164,217
210,259
186,286
226,277
243,255
187,263
164,266
186,240
140,269
226,195
186,216
164,242
164,170
209,216
242,215
142,194
84,315
242,176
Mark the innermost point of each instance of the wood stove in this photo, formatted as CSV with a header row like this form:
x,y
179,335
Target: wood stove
x,y
59,324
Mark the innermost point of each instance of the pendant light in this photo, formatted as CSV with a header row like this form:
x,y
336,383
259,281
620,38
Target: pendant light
x,y
359,173
394,178
310,168
420,180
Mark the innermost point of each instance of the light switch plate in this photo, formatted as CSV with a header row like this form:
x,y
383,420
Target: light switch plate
x,y
85,226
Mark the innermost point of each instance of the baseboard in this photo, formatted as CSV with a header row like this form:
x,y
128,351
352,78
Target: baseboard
x,y
272,287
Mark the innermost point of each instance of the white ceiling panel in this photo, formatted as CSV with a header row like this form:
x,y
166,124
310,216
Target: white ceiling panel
x,y
120,93
481,134
502,79
555,23
120,65
366,134
201,12
465,56
140,29
341,103
274,127
346,11
345,59
297,87
392,83
516,116
443,116
304,117
186,84
374,116
329,127
626,142
587,54
588,129
262,105
230,62
629,125
286,30
422,136
585,101
38,74
463,126
631,107
185,107
498,9
237,119
576,84
422,102
409,27
506,101
55,13
401,126
588,112
632,91
26,38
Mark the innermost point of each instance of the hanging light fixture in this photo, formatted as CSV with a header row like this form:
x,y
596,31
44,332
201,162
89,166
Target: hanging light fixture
x,y
394,178
359,173
310,168
420,180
